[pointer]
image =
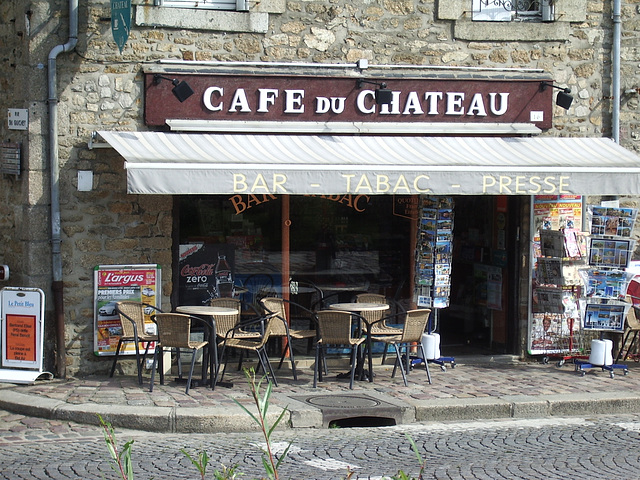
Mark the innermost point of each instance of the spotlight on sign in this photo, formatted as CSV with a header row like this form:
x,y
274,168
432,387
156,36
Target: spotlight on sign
x,y
563,99
182,90
382,94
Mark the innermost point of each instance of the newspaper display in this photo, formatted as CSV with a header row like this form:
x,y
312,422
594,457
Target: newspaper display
x,y
559,251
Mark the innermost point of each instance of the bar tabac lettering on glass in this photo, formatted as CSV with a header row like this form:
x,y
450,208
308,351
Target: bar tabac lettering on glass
x,y
525,184
240,203
243,203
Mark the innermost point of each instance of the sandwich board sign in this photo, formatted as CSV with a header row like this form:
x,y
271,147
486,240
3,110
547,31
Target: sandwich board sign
x,y
22,334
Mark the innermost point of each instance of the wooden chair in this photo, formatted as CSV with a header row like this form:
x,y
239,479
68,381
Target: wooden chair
x,y
257,345
174,331
334,328
415,324
134,330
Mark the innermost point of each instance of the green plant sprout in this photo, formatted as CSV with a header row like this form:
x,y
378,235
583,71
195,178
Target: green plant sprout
x,y
271,464
120,461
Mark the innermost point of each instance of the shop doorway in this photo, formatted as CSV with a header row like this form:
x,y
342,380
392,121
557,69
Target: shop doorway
x,y
481,315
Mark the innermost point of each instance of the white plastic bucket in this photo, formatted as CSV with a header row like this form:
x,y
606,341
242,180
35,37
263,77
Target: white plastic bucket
x,y
601,352
431,345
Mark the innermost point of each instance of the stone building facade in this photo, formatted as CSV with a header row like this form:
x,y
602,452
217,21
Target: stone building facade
x,y
100,88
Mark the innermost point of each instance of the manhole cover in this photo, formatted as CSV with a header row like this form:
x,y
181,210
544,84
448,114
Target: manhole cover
x,y
362,410
343,401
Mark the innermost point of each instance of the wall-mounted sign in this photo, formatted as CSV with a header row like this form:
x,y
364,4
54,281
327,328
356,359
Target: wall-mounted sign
x,y
18,119
22,334
120,21
341,99
10,158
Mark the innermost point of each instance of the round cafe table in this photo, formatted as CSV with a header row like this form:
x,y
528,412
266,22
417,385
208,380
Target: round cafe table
x,y
210,312
357,307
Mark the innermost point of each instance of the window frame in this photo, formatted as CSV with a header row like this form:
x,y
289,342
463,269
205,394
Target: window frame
x,y
513,11
240,5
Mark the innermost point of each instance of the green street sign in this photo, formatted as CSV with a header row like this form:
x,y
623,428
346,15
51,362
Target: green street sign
x,y
120,21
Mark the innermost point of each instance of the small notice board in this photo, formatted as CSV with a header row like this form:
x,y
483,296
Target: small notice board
x,y
113,283
22,334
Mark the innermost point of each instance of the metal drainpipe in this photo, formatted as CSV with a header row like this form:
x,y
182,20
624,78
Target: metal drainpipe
x,y
615,66
54,165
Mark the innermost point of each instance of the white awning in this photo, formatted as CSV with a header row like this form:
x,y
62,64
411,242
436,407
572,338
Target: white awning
x,y
212,163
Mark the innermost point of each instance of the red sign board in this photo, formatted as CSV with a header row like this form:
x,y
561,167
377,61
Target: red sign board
x,y
21,337
342,99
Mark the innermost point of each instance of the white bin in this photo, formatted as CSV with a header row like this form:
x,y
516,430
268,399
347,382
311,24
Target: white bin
x,y
431,345
601,352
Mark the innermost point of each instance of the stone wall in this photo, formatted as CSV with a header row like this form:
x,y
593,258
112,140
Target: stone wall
x,y
99,88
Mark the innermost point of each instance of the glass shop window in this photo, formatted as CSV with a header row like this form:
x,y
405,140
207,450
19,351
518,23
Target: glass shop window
x,y
334,242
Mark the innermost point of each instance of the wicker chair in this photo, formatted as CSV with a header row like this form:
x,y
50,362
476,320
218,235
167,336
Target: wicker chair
x,y
376,319
334,327
283,329
257,345
133,330
224,323
174,331
631,326
415,324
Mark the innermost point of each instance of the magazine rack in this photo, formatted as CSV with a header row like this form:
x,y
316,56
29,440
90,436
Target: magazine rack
x,y
556,329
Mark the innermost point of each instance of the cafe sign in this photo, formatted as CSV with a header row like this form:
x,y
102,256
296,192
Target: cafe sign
x,y
341,99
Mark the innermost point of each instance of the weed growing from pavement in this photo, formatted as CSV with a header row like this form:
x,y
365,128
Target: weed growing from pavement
x,y
122,464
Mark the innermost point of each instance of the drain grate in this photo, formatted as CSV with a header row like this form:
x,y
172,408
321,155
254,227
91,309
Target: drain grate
x,y
354,410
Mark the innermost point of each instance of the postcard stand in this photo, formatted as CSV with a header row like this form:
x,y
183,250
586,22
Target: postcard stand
x,y
434,250
607,316
610,249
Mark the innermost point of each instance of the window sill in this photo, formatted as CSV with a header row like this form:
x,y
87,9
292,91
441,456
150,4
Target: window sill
x,y
511,31
210,20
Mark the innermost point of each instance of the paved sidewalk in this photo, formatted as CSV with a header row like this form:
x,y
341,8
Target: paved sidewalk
x,y
479,387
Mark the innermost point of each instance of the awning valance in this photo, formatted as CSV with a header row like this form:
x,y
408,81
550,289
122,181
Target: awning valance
x,y
212,163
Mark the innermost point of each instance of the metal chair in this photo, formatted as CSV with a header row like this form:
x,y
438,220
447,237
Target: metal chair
x,y
284,330
257,345
415,324
134,330
335,328
174,331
